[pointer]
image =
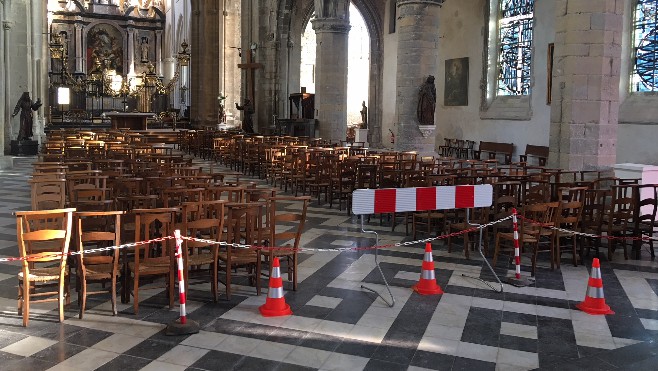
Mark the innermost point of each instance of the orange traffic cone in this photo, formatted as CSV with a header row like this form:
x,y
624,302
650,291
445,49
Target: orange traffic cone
x,y
275,304
427,284
594,300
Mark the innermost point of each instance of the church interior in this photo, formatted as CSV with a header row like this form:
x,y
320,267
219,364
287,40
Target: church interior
x,y
328,184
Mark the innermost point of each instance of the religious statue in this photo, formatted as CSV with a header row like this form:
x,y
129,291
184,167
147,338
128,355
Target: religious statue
x,y
364,115
426,102
144,49
25,105
221,115
247,110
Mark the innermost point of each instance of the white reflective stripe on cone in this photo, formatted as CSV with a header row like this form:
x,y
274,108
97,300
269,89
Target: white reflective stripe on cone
x,y
595,292
275,293
427,275
182,310
276,272
596,273
428,257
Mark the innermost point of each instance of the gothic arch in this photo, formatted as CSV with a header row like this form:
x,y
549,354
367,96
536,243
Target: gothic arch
x,y
293,17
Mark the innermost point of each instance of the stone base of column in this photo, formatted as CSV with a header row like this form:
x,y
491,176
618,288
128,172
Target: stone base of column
x,y
6,162
417,138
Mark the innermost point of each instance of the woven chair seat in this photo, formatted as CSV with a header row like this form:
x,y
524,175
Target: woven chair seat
x,y
43,274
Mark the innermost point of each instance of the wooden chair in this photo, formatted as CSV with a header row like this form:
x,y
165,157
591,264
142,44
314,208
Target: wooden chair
x,y
243,226
276,236
646,199
203,220
154,259
530,233
44,236
568,217
477,216
98,229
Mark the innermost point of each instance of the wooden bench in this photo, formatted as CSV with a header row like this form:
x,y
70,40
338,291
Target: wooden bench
x,y
494,149
540,152
159,136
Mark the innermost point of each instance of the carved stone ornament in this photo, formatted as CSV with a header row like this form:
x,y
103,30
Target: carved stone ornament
x,y
331,25
427,130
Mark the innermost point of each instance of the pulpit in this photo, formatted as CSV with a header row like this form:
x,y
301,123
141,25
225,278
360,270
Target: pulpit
x,y
129,120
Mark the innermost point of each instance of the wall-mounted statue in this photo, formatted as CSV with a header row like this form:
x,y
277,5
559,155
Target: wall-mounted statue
x,y
426,102
25,105
364,115
144,50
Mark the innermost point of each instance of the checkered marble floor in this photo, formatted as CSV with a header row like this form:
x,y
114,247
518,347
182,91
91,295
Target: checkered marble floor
x,y
336,324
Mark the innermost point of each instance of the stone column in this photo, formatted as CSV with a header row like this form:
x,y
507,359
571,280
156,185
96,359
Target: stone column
x,y
131,51
207,19
332,32
79,26
586,71
158,52
418,57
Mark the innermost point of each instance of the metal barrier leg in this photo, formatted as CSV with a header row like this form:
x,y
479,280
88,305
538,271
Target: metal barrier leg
x,y
468,221
392,303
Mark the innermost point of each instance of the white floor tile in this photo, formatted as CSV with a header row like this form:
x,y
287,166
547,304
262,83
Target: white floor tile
x,y
28,346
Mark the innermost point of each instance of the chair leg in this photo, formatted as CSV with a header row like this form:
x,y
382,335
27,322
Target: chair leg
x,y
496,250
228,281
171,288
214,284
535,250
83,297
136,294
113,292
26,303
467,249
294,271
60,300
573,251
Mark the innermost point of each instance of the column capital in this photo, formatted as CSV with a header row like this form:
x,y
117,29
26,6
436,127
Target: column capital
x,y
6,25
426,2
334,25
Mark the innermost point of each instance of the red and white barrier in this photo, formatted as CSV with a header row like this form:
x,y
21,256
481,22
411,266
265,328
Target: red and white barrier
x,y
181,277
398,200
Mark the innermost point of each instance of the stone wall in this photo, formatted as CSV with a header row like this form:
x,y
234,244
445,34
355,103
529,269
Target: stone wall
x,y
463,33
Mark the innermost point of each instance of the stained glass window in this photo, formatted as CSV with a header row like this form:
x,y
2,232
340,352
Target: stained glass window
x,y
515,46
645,46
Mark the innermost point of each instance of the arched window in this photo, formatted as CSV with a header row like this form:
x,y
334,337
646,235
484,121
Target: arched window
x,y
515,24
644,77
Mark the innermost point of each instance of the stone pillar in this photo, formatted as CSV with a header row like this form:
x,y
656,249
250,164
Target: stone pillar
x,y
331,69
586,71
79,26
131,50
207,19
158,52
418,57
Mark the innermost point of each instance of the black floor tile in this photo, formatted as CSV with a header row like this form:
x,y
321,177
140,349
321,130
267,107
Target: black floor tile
x,y
88,337
219,361
357,348
518,343
125,363
482,327
251,363
467,364
58,352
29,363
322,342
434,361
150,349
378,365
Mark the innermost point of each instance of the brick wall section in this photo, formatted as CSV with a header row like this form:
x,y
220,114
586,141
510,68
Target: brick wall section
x,y
418,39
586,72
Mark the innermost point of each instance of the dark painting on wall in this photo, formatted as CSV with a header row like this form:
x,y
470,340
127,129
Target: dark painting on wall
x,y
105,43
456,82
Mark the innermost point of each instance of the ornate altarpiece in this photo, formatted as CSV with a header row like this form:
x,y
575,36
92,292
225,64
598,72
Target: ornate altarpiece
x,y
119,38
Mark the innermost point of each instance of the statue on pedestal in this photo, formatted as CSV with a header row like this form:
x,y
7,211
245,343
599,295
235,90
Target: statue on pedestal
x,y
25,105
364,115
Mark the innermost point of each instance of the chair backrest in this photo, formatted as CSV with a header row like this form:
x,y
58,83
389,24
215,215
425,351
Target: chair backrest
x,y
538,216
151,224
204,219
244,222
48,194
44,235
280,219
98,229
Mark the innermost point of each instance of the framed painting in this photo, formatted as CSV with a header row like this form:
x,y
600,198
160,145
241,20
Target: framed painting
x,y
105,43
456,82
